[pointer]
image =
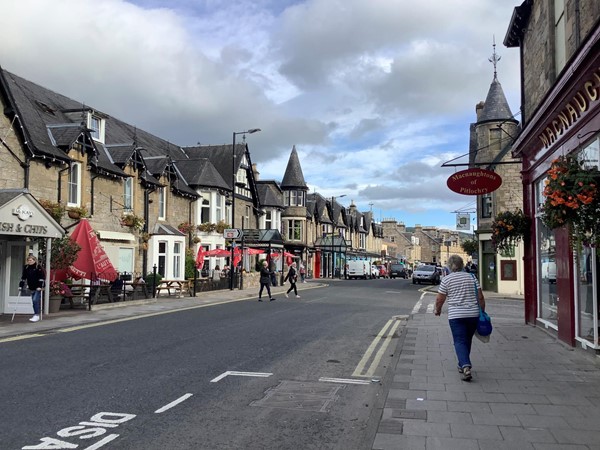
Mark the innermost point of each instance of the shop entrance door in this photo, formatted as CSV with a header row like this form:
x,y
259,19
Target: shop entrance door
x,y
488,268
16,253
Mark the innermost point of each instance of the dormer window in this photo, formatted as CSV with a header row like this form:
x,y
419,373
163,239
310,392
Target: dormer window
x,y
96,126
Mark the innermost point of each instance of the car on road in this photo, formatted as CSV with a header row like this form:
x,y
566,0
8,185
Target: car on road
x,y
426,274
398,271
374,271
383,272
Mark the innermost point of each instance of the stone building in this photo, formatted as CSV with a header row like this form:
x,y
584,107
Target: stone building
x,y
491,138
559,45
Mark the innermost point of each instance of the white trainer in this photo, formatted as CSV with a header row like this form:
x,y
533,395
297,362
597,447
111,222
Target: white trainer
x,y
35,318
297,296
286,296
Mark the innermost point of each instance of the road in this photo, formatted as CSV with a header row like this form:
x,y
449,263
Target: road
x,y
293,373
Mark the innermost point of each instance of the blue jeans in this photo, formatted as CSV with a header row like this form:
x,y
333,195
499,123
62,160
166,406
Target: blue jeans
x,y
36,298
463,330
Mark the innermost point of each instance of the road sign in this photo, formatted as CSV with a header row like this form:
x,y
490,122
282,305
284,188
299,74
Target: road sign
x,y
232,233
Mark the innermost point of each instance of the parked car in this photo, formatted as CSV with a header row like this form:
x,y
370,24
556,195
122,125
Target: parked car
x,y
374,271
398,271
426,274
383,272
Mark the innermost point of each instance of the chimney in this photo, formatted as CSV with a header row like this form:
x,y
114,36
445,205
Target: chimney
x,y
255,172
478,109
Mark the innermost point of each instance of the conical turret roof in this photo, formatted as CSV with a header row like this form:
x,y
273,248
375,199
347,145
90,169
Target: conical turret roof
x,y
496,106
293,178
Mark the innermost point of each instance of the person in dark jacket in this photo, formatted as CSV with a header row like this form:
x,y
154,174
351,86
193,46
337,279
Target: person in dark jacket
x,y
292,277
265,281
33,279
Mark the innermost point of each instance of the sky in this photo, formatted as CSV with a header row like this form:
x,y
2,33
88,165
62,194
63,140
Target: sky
x,y
374,94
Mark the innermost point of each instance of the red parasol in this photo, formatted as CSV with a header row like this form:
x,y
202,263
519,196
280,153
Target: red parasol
x,y
92,262
200,258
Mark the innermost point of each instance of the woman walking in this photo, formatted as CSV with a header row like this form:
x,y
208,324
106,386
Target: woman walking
x,y
464,296
292,276
265,281
33,278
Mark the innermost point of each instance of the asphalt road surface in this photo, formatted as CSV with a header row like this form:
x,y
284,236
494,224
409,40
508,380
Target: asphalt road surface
x,y
294,373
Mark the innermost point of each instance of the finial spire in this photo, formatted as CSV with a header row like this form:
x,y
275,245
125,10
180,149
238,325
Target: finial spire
x,y
494,59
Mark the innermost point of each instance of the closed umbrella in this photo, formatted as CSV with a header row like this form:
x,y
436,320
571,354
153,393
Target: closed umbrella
x,y
200,258
92,261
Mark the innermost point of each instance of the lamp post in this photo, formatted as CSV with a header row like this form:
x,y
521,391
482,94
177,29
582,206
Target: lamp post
x,y
233,181
333,234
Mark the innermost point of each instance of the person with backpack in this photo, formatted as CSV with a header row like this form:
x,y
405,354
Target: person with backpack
x,y
292,277
33,278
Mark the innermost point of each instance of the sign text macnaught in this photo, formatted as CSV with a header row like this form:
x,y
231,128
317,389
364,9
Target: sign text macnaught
x,y
573,110
474,182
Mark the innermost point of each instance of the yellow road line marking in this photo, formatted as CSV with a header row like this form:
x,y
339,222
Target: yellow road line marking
x,y
370,350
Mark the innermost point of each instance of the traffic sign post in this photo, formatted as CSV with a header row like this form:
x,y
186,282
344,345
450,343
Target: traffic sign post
x,y
232,233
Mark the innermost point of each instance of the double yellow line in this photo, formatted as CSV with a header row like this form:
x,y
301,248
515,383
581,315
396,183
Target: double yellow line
x,y
381,342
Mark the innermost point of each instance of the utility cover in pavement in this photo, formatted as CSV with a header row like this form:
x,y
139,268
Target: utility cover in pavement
x,y
300,396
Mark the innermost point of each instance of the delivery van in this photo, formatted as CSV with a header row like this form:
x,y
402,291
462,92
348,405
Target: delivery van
x,y
358,269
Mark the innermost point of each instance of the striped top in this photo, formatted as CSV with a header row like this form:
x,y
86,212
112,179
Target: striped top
x,y
459,288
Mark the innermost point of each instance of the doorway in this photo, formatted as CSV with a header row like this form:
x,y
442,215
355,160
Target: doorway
x,y
489,270
16,253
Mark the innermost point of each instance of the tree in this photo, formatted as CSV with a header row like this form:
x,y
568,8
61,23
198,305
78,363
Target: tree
x,y
470,246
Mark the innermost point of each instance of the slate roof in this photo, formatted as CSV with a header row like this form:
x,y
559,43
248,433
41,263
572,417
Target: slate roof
x,y
293,177
270,194
496,106
201,173
219,156
319,210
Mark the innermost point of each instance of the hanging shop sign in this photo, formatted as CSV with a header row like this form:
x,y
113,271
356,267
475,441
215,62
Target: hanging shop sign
x,y
474,182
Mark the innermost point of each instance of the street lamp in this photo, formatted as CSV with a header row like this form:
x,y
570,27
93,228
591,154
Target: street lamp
x,y
333,234
233,182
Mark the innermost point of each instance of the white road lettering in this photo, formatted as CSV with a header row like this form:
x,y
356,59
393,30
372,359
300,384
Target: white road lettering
x,y
84,430
173,403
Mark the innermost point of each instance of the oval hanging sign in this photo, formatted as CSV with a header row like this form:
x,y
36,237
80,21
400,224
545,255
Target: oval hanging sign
x,y
474,182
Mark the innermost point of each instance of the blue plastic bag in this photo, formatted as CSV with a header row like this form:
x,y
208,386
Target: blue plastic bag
x,y
484,326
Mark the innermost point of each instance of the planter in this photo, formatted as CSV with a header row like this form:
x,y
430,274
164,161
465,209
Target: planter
x,y
55,301
74,215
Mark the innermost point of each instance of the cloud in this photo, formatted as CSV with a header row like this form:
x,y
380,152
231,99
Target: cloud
x,y
374,95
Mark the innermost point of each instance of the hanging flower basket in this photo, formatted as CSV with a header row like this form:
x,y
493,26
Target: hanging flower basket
x,y
55,209
572,199
186,227
132,221
509,228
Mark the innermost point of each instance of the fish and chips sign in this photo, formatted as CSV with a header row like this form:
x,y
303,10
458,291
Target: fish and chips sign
x,y
474,182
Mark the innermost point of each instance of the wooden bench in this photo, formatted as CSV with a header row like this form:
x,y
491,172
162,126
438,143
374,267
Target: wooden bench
x,y
177,286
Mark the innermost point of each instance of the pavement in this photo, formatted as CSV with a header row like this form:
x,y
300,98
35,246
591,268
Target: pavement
x,y
529,391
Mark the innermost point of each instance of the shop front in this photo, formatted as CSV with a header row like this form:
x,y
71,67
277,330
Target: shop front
x,y
23,224
562,274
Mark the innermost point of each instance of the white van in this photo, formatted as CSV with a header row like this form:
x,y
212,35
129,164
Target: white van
x,y
358,269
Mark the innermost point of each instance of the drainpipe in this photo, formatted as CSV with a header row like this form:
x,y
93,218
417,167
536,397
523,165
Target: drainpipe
x,y
145,230
92,194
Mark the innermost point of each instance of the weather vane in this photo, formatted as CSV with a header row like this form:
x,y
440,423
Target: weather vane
x,y
495,58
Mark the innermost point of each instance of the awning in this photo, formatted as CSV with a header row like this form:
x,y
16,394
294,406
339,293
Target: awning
x,y
116,236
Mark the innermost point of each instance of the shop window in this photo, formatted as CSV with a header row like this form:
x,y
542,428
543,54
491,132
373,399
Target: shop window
x,y
547,293
177,260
